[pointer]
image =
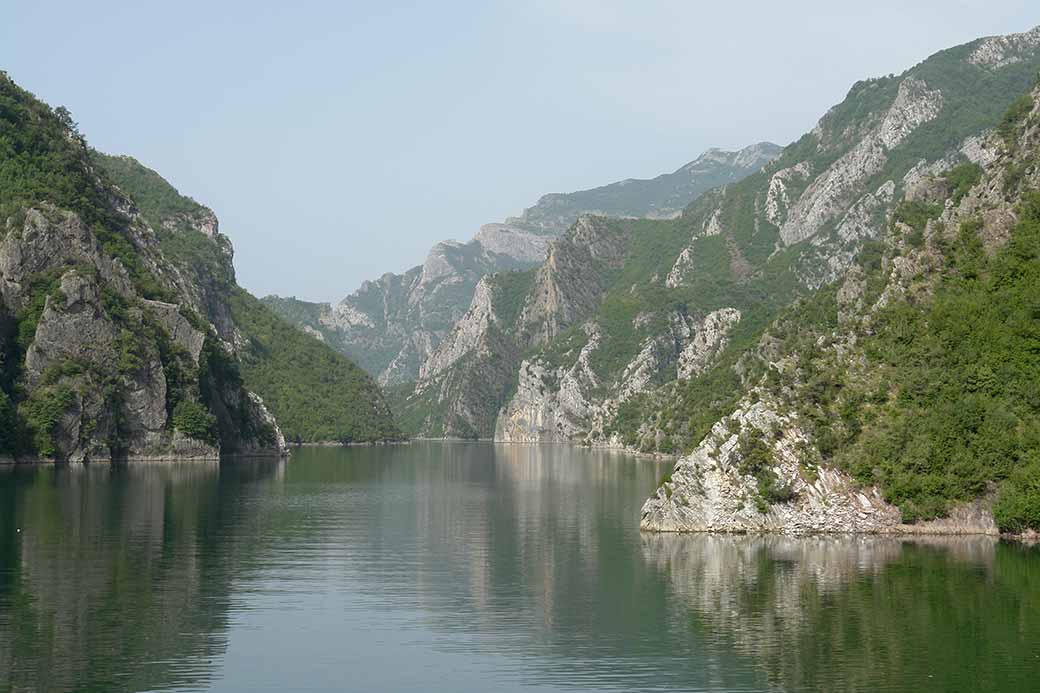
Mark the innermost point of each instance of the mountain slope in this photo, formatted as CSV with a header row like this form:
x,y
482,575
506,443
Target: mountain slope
x,y
117,338
315,393
655,354
390,326
908,391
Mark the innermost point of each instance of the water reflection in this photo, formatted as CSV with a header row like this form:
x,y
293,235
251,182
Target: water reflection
x,y
117,578
472,567
864,613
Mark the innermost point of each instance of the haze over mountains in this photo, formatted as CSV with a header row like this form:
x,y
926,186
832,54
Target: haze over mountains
x,y
391,325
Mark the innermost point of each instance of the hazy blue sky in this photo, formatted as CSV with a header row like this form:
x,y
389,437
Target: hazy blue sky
x,y
337,140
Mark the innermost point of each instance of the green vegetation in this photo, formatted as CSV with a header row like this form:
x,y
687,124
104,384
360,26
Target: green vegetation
x,y
949,401
510,289
42,159
195,421
45,163
1011,124
916,214
41,412
962,178
174,218
157,200
756,459
742,268
315,393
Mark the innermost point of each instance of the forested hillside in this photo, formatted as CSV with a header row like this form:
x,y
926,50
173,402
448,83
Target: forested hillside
x,y
118,338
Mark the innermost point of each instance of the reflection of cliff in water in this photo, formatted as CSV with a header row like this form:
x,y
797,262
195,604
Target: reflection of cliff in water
x,y
863,613
120,576
531,550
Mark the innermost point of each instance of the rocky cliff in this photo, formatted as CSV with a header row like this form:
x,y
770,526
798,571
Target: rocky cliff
x,y
391,325
639,367
122,333
661,335
901,399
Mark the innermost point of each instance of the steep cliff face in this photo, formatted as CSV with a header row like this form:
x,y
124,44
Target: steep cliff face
x,y
390,326
119,336
393,324
695,293
901,398
571,281
563,401
471,372
645,333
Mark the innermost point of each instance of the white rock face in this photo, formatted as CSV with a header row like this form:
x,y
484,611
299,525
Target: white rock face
x,y
980,150
860,222
345,316
181,331
997,51
550,404
826,196
640,372
437,267
777,198
265,415
571,403
707,342
713,226
504,239
313,332
682,265
465,336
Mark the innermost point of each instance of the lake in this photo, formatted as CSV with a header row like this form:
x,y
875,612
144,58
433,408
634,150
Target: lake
x,y
473,567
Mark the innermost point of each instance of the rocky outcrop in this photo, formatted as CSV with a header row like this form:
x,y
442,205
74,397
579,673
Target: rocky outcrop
x,y
915,104
706,342
759,469
708,491
466,335
180,329
571,403
999,51
571,281
513,242
552,404
91,357
392,325
102,329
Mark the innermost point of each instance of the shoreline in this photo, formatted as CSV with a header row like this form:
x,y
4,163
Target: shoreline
x,y
337,444
902,531
7,461
657,456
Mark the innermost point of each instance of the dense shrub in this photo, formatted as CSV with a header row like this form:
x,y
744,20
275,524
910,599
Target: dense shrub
x,y
195,421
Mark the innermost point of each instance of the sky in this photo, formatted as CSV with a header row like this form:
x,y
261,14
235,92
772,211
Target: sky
x,y
337,141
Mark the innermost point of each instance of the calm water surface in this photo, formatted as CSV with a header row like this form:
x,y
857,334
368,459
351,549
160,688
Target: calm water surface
x,y
473,567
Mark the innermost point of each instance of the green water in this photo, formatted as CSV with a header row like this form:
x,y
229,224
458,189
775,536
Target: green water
x,y
473,567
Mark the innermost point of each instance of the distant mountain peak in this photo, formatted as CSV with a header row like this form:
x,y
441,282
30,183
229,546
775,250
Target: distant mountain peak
x,y
752,157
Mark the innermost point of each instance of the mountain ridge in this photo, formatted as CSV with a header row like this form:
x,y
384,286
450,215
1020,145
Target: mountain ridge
x,y
391,325
123,334
676,327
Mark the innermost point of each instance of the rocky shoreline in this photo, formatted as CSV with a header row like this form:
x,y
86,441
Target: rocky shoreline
x,y
708,493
